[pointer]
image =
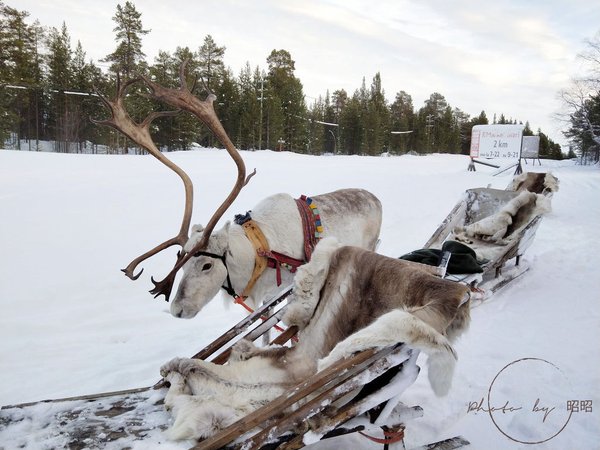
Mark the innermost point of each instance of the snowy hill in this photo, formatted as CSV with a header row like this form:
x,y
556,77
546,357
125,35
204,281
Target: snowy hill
x,y
72,324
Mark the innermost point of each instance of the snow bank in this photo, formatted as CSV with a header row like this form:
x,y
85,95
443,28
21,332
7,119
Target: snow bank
x,y
72,324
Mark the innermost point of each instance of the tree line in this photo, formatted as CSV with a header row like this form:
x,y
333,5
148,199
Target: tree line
x,y
47,94
581,102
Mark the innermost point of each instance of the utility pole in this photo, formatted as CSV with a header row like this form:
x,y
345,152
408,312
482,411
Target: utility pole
x,y
429,125
334,142
261,98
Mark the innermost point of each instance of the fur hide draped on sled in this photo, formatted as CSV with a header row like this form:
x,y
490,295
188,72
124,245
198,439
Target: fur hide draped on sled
x,y
345,300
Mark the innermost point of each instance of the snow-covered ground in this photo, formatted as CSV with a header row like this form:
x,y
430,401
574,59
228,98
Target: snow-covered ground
x,y
72,324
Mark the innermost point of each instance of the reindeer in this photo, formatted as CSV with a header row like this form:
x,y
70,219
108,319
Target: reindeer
x,y
346,299
235,257
351,215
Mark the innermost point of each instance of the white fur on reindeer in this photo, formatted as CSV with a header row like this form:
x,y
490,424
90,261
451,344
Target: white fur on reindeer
x,y
352,215
345,299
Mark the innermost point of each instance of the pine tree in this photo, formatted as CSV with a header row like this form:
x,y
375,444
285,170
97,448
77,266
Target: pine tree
x,y
85,75
316,115
211,69
339,99
128,58
402,119
228,98
362,98
286,103
247,134
19,66
330,132
269,110
59,78
434,126
377,119
164,72
352,129
210,60
128,61
464,126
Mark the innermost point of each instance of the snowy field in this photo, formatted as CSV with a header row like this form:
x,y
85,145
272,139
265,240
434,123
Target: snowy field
x,y
71,323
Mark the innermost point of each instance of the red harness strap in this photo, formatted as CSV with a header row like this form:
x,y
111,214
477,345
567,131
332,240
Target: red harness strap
x,y
309,227
275,260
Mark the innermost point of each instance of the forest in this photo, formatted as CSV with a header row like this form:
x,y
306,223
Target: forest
x,y
49,91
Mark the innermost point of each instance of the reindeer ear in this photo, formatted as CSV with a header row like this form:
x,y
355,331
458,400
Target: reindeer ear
x,y
195,236
220,239
198,228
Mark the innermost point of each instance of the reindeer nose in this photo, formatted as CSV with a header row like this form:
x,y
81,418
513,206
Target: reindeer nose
x,y
176,310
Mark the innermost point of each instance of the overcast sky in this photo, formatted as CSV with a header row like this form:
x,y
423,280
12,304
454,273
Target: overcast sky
x,y
508,57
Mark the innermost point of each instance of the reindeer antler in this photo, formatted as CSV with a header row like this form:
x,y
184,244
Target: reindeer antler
x,y
140,134
183,98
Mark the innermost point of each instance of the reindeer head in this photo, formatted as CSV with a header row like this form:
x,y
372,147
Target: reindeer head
x,y
183,99
203,274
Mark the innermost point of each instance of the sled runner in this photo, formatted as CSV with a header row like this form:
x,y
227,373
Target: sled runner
x,y
315,409
499,226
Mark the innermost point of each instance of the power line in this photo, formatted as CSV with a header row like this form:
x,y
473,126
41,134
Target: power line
x,y
87,94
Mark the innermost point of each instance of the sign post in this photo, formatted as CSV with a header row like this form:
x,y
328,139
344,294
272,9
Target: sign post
x,y
496,141
531,149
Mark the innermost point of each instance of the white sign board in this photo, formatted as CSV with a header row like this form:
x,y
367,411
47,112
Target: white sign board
x,y
531,147
496,141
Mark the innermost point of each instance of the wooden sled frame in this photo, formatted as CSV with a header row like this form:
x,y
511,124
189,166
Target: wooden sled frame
x,y
285,421
308,409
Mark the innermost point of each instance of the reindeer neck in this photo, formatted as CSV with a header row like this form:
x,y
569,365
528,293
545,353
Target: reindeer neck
x,y
240,258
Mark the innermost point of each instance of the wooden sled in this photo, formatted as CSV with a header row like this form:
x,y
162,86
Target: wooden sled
x,y
501,263
360,394
313,410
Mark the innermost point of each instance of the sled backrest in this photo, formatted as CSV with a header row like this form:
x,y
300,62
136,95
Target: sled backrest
x,y
475,205
484,202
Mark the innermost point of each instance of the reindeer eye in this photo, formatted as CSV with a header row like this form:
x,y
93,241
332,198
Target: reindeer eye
x,y
206,266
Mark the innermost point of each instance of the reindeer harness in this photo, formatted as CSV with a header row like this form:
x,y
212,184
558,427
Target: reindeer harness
x,y
265,257
312,230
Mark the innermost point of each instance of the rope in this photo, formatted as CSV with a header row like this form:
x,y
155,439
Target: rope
x,y
241,301
389,437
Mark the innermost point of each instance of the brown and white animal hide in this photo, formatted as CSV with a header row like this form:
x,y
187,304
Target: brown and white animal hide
x,y
495,228
539,183
345,299
351,299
